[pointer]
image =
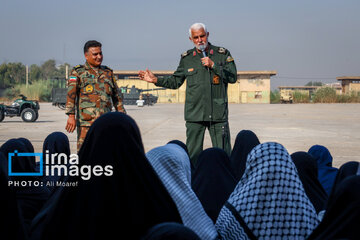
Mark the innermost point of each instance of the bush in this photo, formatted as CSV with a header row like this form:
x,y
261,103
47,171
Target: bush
x,y
38,90
325,95
11,93
275,96
353,97
299,97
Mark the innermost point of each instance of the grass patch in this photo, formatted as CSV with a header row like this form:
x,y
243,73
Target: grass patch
x,y
39,90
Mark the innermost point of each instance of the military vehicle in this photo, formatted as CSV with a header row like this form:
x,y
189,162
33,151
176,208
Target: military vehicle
x,y
286,96
131,95
58,97
28,110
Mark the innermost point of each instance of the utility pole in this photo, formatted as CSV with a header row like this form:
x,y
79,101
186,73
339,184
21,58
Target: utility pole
x,y
27,75
66,71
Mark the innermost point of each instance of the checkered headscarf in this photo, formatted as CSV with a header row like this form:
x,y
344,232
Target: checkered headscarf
x,y
269,201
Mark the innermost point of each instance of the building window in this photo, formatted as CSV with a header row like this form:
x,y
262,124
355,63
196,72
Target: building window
x,y
258,95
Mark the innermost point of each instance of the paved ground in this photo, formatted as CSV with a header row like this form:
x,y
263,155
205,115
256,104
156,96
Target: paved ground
x,y
296,126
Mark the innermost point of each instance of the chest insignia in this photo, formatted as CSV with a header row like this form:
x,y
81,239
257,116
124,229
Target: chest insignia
x,y
89,88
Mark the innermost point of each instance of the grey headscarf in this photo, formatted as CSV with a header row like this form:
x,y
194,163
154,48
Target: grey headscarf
x,y
172,165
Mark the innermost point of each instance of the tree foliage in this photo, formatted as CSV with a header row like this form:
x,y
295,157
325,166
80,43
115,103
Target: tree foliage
x,y
12,74
325,95
311,83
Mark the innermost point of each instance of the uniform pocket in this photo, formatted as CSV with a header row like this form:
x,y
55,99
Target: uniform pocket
x,y
219,108
108,85
191,78
87,111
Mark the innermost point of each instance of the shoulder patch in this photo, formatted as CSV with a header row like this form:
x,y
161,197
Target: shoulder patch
x,y
78,66
184,54
222,50
229,59
72,79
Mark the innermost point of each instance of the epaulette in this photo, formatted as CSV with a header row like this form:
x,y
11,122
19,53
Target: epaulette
x,y
185,53
78,66
222,50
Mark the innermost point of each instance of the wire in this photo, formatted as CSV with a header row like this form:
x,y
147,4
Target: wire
x,y
287,77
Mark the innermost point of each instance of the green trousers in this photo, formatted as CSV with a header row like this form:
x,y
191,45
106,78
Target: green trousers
x,y
195,131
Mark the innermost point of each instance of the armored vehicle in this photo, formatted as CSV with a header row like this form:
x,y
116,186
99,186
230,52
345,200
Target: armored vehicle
x,y
28,110
58,97
131,95
286,96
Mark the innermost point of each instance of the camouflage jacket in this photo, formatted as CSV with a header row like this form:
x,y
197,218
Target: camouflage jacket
x,y
90,94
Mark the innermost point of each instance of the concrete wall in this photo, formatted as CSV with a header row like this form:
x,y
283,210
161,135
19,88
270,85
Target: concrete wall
x,y
354,87
256,90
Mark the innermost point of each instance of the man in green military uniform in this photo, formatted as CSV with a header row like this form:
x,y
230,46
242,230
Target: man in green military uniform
x,y
91,92
207,69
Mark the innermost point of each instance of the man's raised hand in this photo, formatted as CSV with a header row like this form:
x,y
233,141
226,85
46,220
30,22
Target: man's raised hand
x,y
148,76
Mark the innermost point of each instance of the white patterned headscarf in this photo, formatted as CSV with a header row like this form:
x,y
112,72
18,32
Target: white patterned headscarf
x,y
172,165
269,201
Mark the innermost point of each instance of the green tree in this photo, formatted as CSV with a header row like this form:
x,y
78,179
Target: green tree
x,y
35,73
325,95
49,69
311,83
11,73
62,70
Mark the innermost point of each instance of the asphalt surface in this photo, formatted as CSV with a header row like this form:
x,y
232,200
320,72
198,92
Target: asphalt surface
x,y
296,126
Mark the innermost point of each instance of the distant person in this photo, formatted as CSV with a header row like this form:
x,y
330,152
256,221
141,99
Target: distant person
x,y
306,166
269,202
207,69
342,216
245,141
213,180
172,165
126,202
91,91
327,173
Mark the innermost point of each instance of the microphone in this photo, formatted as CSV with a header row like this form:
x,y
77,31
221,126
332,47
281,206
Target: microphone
x,y
202,49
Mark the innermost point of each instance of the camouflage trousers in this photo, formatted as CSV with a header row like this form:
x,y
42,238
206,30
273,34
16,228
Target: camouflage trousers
x,y
81,134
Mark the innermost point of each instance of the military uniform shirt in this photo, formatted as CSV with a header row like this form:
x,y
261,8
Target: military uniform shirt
x,y
92,93
206,90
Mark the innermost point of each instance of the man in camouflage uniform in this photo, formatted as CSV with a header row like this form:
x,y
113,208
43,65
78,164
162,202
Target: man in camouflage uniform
x,y
207,69
91,92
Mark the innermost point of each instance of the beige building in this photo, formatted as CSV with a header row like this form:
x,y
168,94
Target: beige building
x,y
250,87
349,84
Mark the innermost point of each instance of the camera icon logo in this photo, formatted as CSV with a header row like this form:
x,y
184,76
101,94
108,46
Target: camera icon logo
x,y
17,154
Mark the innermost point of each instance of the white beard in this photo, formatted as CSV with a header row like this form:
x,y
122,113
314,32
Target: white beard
x,y
198,46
